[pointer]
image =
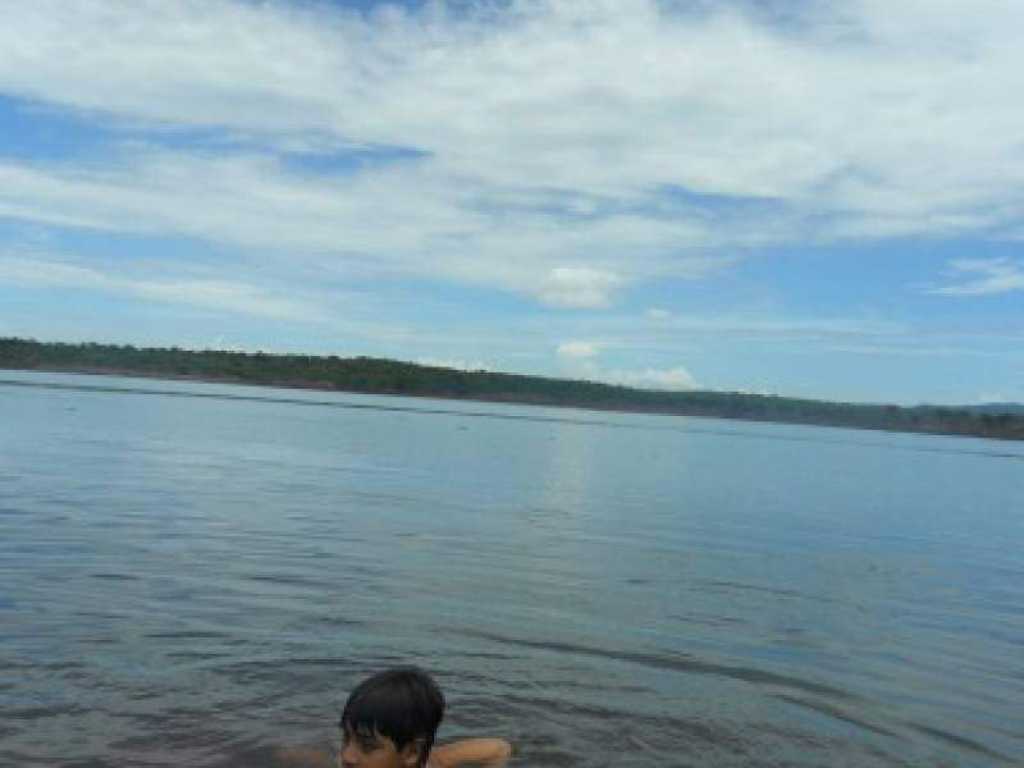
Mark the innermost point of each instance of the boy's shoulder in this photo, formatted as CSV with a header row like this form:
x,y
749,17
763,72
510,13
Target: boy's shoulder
x,y
484,752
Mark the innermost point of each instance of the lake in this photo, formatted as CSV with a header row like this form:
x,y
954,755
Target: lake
x,y
196,574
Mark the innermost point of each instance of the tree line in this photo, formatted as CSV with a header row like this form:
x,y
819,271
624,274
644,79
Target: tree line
x,y
381,376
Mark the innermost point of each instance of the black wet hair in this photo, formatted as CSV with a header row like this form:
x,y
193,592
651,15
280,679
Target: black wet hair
x,y
404,704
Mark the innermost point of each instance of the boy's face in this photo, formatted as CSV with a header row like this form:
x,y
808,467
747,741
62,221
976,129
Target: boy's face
x,y
375,751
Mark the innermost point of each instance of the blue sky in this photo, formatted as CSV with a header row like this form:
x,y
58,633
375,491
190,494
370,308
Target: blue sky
x,y
810,198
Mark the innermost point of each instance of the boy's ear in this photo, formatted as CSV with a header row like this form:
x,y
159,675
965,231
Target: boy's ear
x,y
410,754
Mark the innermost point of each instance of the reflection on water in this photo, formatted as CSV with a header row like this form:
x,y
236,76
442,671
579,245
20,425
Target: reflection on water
x,y
198,578
565,479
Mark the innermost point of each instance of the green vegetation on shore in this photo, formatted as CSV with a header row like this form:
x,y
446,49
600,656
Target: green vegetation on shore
x,y
378,376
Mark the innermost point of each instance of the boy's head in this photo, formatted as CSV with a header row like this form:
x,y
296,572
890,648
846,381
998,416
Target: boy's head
x,y
390,719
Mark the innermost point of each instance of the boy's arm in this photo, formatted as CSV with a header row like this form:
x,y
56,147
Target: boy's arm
x,y
303,757
480,752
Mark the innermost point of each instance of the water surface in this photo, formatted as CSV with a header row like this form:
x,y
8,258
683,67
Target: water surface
x,y
195,574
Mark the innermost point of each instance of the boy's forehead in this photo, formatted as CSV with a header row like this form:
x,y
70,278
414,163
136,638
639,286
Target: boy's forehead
x,y
363,730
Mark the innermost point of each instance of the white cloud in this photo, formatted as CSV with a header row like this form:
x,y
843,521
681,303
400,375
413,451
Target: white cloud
x,y
982,277
578,287
458,365
766,326
911,349
999,398
582,359
219,295
677,378
578,350
548,131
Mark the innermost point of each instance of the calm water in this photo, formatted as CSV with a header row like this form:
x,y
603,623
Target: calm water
x,y
199,580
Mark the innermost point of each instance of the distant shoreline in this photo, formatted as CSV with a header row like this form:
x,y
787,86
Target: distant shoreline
x,y
374,376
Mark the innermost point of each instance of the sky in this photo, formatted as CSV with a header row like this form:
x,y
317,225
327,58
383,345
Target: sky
x,y
800,197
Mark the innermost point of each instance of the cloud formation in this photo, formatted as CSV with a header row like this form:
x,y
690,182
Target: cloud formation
x,y
982,277
562,151
677,378
581,358
578,350
222,296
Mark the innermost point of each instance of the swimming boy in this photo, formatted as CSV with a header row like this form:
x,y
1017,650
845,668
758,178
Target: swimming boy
x,y
390,720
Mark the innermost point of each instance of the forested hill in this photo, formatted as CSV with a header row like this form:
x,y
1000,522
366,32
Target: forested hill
x,y
377,376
